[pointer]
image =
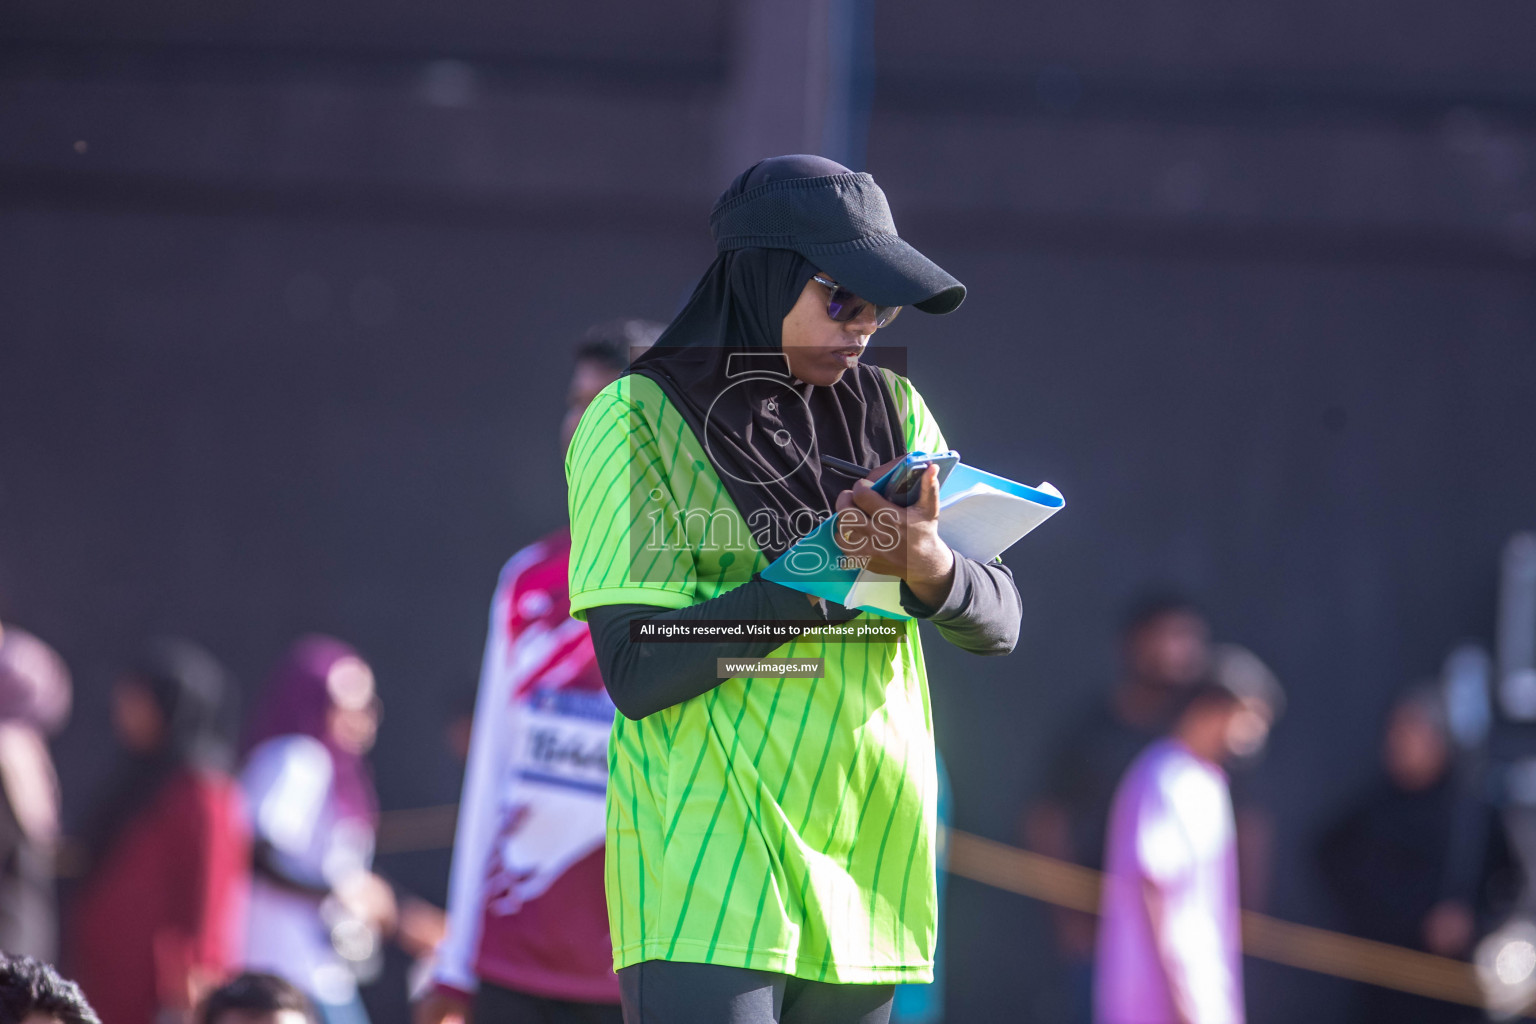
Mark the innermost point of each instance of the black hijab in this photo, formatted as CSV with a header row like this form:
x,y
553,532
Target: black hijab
x,y
721,363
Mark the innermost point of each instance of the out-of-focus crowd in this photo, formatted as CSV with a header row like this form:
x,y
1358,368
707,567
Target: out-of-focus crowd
x,y
230,881
204,856
1152,788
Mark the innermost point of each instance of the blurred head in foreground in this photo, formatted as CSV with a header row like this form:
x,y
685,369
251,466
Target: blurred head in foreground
x,y
31,992
256,999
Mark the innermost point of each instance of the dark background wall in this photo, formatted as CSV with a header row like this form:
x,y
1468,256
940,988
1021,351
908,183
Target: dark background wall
x,y
283,344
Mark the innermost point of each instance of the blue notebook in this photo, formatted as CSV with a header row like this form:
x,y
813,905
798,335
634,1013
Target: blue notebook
x,y
981,515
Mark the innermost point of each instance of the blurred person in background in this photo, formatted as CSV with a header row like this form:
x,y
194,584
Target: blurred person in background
x,y
31,992
1164,650
1418,862
158,917
34,704
318,912
528,924
1169,943
255,998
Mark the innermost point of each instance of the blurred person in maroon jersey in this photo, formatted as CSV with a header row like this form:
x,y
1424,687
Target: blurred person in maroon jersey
x,y
1418,862
528,925
34,704
158,916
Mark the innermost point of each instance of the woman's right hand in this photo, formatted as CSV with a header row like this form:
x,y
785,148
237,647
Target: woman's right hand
x,y
896,540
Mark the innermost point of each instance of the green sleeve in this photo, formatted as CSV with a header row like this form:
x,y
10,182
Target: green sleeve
x,y
625,538
920,429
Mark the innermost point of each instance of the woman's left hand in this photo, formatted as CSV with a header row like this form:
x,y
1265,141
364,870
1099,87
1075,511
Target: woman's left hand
x,y
898,541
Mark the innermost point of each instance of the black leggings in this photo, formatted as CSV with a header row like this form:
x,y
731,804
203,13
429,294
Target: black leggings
x,y
664,992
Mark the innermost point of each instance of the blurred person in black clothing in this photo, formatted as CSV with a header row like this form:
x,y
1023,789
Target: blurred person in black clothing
x,y
1165,649
1392,869
31,992
34,703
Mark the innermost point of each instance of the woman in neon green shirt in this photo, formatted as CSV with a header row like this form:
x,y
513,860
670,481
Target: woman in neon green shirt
x,y
771,840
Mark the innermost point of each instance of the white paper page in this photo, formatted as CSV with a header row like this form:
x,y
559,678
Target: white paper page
x,y
982,522
872,590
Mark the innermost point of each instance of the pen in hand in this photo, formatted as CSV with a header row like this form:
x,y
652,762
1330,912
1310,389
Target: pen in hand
x,y
852,469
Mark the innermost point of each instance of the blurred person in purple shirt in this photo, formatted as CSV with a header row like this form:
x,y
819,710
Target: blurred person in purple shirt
x,y
1169,945
1165,648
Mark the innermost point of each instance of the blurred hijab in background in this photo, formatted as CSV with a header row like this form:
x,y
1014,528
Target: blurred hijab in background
x,y
319,677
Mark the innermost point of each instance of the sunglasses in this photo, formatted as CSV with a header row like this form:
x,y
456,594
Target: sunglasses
x,y
844,306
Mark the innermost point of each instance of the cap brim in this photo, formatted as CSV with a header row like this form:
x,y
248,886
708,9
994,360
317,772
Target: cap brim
x,y
892,273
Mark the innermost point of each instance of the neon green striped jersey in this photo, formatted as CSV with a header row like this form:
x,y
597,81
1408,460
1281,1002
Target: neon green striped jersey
x,y
784,825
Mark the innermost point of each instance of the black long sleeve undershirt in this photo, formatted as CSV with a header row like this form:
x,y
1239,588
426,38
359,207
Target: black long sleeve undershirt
x,y
644,678
982,612
981,615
